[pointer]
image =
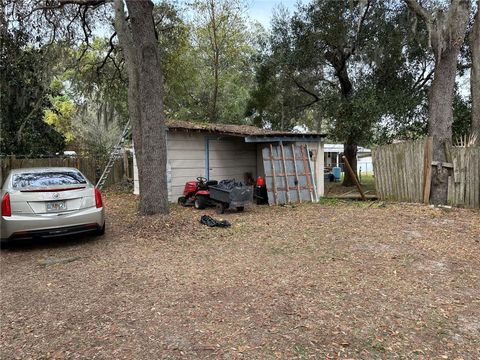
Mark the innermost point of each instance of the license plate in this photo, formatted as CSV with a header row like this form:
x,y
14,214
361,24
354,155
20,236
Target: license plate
x,y
56,206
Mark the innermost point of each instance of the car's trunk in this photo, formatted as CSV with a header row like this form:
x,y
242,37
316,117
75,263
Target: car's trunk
x,y
52,200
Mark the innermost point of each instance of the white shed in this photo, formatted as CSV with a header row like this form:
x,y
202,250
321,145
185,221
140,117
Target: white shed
x,y
220,151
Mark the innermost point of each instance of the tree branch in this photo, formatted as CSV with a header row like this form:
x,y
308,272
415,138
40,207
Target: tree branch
x,y
304,106
78,14
418,9
86,32
353,47
61,3
109,52
35,108
421,81
302,88
118,69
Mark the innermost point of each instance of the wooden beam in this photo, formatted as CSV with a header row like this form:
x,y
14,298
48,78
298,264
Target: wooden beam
x,y
280,158
294,188
427,169
287,193
296,174
307,172
275,194
352,174
442,164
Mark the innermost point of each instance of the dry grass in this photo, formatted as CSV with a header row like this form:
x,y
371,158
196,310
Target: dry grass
x,y
314,281
335,189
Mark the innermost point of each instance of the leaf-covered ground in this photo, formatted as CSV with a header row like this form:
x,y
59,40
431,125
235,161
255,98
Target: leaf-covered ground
x,y
328,281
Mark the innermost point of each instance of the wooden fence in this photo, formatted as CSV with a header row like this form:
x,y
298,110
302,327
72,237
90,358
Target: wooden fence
x,y
90,167
399,171
403,173
464,184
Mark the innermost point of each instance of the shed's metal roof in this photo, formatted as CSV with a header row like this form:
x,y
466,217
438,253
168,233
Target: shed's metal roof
x,y
234,130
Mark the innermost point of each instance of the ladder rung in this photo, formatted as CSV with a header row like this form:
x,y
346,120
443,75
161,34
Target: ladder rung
x,y
114,155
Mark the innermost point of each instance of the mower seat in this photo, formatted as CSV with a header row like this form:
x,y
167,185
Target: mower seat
x,y
212,182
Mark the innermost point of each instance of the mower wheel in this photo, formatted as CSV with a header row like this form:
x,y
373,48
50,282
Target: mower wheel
x,y
182,200
200,202
220,208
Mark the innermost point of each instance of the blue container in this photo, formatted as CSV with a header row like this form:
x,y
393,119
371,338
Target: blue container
x,y
337,172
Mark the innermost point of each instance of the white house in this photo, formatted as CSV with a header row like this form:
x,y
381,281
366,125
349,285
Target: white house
x,y
332,154
220,151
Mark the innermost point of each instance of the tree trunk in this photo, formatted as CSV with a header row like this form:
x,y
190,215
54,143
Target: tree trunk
x,y
447,38
447,33
475,76
213,116
339,62
126,43
213,111
145,102
153,184
440,121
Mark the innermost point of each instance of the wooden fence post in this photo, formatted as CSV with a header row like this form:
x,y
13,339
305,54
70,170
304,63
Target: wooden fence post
x,y
427,169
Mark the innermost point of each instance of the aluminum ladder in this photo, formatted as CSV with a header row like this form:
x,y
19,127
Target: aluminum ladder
x,y
113,156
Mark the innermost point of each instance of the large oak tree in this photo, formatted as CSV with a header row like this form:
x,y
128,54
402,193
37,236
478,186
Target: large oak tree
x,y
344,66
137,37
145,101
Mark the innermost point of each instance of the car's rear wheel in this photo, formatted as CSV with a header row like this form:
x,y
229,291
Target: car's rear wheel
x,y
101,231
4,243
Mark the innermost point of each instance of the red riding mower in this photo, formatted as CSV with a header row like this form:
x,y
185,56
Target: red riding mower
x,y
196,193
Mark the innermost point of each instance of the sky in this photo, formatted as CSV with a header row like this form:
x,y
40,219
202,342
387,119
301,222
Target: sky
x,y
261,10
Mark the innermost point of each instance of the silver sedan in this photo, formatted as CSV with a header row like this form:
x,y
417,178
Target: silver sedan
x,y
49,202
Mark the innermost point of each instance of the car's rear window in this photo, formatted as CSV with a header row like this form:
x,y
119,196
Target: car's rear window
x,y
47,179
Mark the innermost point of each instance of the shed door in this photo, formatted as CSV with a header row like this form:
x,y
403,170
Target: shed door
x,y
231,158
289,174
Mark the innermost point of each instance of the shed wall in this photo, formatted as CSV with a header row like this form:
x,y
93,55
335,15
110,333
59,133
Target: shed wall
x,y
229,158
186,157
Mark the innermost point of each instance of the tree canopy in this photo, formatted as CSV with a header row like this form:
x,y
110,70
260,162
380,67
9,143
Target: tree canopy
x,y
359,70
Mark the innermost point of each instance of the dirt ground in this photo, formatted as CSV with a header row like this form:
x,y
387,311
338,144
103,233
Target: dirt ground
x,y
329,281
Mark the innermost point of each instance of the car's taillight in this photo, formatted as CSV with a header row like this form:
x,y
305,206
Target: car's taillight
x,y
6,208
98,198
